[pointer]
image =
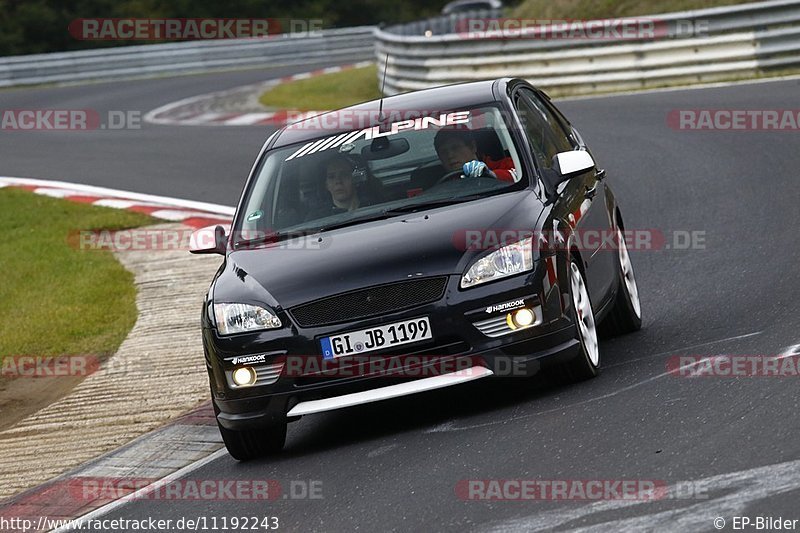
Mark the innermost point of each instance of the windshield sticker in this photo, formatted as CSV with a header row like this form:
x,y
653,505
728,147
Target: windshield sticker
x,y
345,140
255,215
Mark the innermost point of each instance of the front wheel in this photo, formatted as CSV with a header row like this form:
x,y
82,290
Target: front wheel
x,y
626,314
244,445
586,364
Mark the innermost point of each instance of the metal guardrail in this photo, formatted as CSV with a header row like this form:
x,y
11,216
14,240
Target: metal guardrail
x,y
348,45
735,41
442,24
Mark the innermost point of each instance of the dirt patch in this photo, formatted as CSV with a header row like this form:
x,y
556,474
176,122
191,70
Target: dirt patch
x,y
21,397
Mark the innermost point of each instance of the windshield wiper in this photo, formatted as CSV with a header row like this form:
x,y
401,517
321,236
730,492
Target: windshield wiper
x,y
403,209
411,208
353,221
271,238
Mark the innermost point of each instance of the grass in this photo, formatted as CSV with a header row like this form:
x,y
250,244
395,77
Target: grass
x,y
598,9
57,299
322,93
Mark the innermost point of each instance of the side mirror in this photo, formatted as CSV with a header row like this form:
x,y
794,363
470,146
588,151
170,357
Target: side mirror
x,y
209,240
569,164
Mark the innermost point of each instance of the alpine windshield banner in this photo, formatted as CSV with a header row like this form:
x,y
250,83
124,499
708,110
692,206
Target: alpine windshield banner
x,y
374,132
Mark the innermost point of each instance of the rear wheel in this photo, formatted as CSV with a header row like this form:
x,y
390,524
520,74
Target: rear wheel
x,y
587,364
626,314
244,445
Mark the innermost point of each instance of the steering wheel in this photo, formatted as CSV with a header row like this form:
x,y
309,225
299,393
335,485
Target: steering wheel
x,y
447,177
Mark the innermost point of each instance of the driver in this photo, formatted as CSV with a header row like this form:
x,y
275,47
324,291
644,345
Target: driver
x,y
456,149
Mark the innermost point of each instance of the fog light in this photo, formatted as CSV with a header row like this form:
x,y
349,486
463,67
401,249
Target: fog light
x,y
524,317
521,318
244,376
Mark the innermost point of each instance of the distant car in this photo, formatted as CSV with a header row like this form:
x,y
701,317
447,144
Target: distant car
x,y
460,6
409,254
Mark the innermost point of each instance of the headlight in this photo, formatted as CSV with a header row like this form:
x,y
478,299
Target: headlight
x,y
238,318
509,260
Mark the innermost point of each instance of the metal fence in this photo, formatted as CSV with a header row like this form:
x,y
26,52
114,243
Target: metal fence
x,y
344,45
728,42
725,42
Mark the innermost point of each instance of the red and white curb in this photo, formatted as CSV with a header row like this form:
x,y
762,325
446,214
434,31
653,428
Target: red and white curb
x,y
189,212
159,457
165,454
203,110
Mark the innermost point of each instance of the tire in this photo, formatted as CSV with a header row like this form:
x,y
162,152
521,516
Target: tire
x,y
626,314
250,444
586,364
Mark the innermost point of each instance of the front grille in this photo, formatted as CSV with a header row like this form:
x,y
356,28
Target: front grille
x,y
373,301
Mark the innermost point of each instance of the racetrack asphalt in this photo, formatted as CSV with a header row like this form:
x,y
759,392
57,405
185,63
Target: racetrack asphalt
x,y
394,465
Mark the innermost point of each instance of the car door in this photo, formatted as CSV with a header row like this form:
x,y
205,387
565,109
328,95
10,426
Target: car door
x,y
581,201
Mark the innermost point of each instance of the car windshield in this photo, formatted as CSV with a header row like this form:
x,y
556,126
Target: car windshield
x,y
403,166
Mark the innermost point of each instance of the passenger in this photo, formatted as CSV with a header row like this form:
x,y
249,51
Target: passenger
x,y
340,184
347,190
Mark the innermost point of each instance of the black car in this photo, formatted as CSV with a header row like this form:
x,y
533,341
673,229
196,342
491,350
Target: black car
x,y
461,6
394,247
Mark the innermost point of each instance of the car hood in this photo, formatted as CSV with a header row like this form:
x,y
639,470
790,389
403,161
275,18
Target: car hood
x,y
430,243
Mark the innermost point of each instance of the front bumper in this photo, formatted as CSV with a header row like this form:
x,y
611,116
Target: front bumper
x,y
461,341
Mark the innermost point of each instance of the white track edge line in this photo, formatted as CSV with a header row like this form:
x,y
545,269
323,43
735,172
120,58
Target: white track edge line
x,y
128,195
111,506
152,116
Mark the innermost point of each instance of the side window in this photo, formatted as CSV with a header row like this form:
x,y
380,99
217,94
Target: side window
x,y
571,133
542,128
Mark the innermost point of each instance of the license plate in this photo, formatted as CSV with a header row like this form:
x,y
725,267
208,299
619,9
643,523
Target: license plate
x,y
377,338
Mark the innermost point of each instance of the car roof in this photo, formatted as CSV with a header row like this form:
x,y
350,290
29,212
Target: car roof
x,y
364,115
452,7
